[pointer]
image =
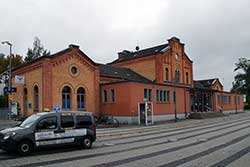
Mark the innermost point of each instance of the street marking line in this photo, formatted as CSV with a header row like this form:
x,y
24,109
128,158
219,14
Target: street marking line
x,y
144,146
181,161
172,130
180,133
232,158
204,153
124,161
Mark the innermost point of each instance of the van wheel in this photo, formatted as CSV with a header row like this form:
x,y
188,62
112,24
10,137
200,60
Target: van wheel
x,y
25,147
86,142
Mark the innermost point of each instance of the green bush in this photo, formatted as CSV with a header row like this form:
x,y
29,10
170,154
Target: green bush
x,y
247,107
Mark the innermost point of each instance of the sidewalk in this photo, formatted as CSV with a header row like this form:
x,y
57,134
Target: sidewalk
x,y
127,129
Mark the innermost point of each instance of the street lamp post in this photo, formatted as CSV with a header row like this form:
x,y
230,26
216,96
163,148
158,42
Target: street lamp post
x,y
175,99
10,75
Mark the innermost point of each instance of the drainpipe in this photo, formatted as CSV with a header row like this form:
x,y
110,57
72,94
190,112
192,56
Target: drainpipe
x,y
185,103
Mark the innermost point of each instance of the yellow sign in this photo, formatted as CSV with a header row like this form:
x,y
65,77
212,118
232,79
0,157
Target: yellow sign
x,y
10,96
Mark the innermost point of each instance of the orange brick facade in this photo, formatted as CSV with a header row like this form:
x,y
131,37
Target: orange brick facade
x,y
51,75
167,72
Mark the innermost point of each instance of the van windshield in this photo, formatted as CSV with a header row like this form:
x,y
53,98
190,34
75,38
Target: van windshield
x,y
29,121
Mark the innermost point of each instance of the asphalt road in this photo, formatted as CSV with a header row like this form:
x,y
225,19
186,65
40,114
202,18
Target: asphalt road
x,y
213,142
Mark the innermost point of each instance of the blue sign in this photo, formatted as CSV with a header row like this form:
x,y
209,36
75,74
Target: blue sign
x,y
56,108
7,89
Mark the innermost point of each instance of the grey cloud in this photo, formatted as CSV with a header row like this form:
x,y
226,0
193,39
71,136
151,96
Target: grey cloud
x,y
216,32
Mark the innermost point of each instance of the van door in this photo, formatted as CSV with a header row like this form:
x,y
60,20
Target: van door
x,y
44,133
70,131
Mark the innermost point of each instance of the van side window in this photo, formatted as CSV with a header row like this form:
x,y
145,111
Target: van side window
x,y
83,121
47,123
67,121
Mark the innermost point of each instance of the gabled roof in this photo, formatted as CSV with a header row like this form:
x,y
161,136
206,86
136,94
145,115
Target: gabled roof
x,y
128,55
70,48
206,83
121,73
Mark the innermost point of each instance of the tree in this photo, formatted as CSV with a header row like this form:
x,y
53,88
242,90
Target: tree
x,y
37,51
242,79
17,60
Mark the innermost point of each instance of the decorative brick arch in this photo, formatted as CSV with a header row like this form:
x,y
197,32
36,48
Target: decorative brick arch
x,y
83,97
67,104
67,84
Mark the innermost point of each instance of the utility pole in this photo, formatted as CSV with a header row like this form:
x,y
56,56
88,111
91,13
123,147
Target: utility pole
x,y
10,77
175,99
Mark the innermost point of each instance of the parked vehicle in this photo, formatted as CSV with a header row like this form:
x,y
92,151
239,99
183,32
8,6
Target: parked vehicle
x,y
48,129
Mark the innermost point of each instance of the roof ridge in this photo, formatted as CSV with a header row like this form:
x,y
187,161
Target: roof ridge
x,y
149,48
139,74
206,79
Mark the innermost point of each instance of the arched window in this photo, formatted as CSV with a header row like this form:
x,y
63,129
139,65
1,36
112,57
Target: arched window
x,y
25,101
177,76
166,74
66,98
81,99
36,99
187,78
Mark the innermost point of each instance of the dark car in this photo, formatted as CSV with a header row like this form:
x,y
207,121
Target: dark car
x,y
50,129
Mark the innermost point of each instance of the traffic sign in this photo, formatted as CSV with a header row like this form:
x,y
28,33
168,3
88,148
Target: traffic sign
x,y
7,89
56,108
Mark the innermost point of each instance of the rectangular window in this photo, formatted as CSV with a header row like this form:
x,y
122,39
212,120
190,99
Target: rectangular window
x,y
83,121
238,99
112,95
225,99
148,94
161,93
168,98
166,73
164,96
145,93
157,95
218,99
229,99
47,124
187,78
105,96
174,94
67,121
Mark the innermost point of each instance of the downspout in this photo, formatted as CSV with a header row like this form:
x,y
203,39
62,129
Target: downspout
x,y
43,87
185,103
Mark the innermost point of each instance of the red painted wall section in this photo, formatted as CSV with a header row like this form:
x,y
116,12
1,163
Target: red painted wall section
x,y
121,106
130,94
97,90
232,105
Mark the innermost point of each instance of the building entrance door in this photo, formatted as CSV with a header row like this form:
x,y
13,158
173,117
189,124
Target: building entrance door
x,y
145,113
142,110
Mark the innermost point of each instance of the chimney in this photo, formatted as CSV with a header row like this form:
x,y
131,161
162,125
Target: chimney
x,y
123,53
74,46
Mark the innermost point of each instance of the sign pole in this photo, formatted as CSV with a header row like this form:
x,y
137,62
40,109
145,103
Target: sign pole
x,y
10,82
146,113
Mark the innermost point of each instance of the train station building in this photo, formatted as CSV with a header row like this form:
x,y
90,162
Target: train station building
x,y
157,82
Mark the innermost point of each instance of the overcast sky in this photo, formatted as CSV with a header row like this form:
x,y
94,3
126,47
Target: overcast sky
x,y
215,32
